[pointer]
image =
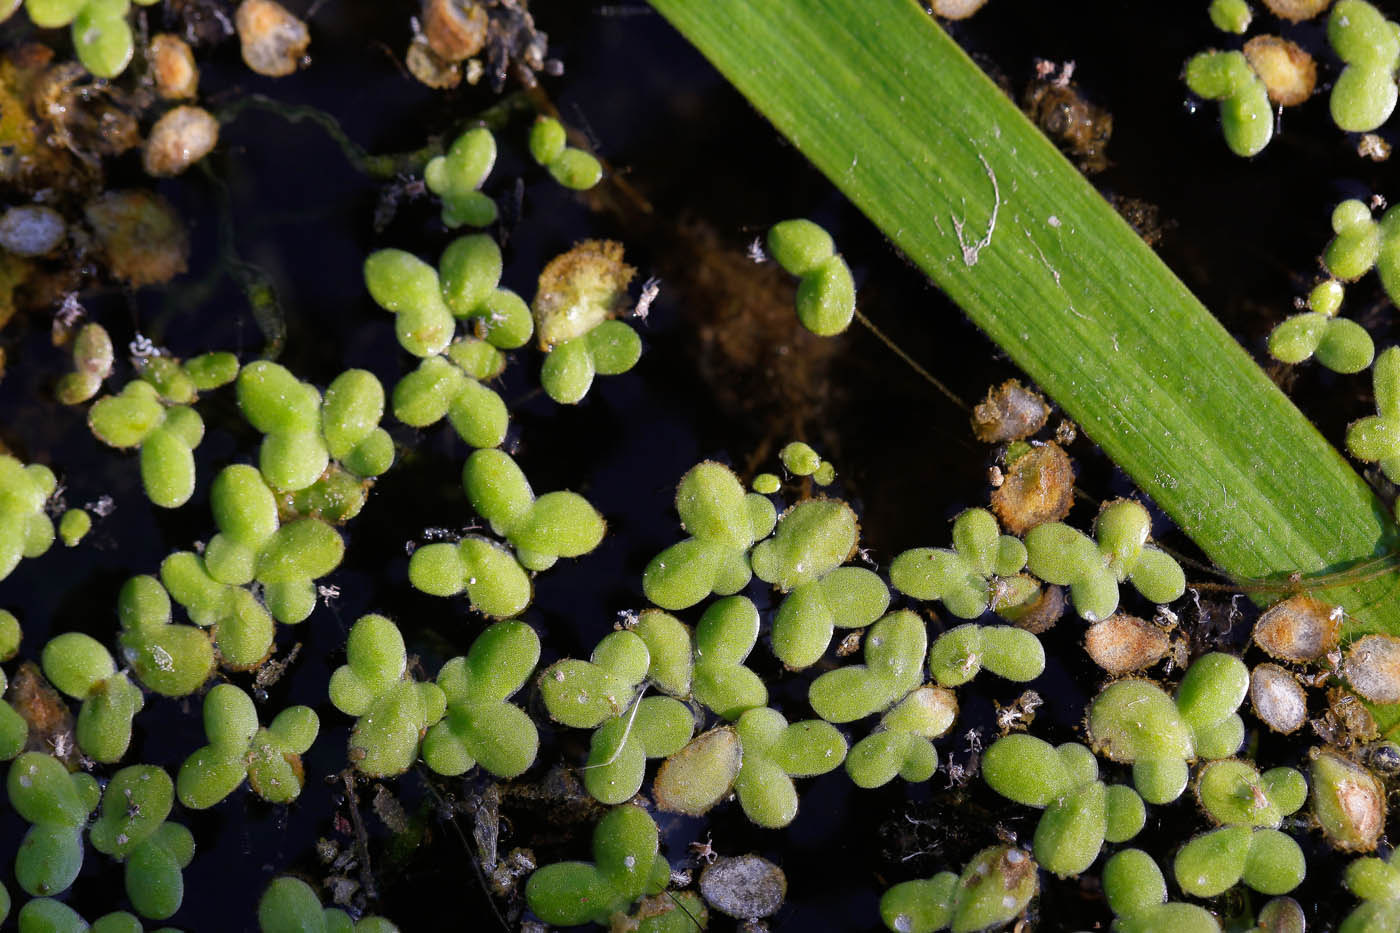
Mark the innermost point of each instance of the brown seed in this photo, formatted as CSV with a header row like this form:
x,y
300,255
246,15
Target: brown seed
x,y
179,139
1039,487
140,234
1008,413
1287,71
273,40
1300,628
1279,700
1123,643
1295,11
1372,667
455,29
172,67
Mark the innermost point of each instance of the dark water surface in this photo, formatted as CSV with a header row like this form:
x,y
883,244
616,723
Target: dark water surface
x,y
1242,235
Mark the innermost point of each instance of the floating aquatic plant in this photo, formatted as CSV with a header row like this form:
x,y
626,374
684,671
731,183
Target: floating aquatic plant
x,y
960,653
960,578
1064,556
826,293
92,363
901,745
171,659
1341,345
1364,94
102,37
585,694
578,297
1376,438
1135,722
394,711
1230,16
811,540
1246,116
1081,811
1377,882
480,726
626,865
1348,801
457,176
540,528
495,583
269,758
132,829
847,597
1136,892
290,905
723,522
654,727
56,804
724,638
25,529
570,166
894,655
79,666
774,752
1266,860
993,888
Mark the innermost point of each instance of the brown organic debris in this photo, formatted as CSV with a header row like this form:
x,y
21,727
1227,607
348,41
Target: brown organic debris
x,y
1010,412
1295,11
179,139
454,29
1372,667
1026,603
273,40
430,69
1038,487
1279,700
1372,146
50,720
580,289
1301,628
1078,126
172,67
140,234
1288,72
1123,643
1351,715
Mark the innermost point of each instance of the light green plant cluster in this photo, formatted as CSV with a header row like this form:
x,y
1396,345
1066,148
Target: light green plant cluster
x,y
1377,882
1093,571
1376,438
801,459
25,528
1246,116
393,710
961,578
457,176
723,523
1134,721
993,888
826,293
290,905
570,166
56,805
1081,811
1136,891
626,865
102,37
480,726
79,666
92,363
167,657
269,758
1232,16
132,828
154,414
1364,94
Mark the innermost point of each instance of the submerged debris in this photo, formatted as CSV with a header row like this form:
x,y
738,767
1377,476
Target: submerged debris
x,y
1123,643
1300,628
1080,127
1037,487
179,139
1010,412
745,887
140,234
1278,698
273,40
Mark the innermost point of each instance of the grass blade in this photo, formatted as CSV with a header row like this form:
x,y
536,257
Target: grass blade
x,y
878,97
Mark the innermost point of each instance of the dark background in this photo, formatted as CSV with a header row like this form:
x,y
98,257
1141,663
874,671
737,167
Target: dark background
x,y
1243,235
